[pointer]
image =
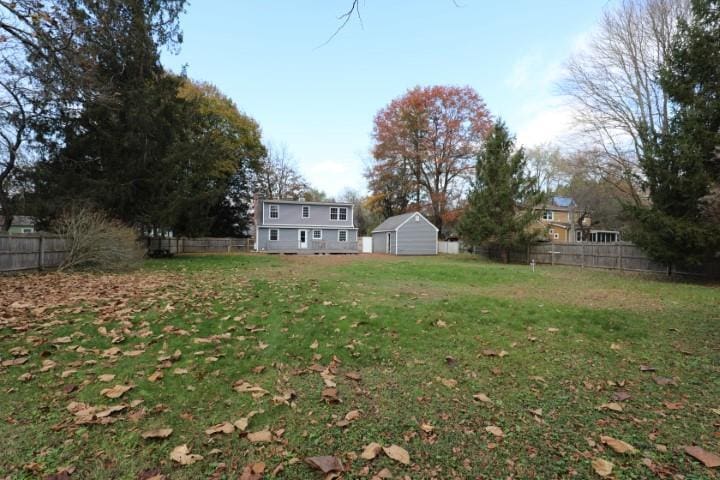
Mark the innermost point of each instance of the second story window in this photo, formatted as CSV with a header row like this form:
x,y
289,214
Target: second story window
x,y
343,213
333,213
305,211
274,211
547,215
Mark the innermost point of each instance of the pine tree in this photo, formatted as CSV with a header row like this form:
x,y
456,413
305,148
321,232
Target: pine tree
x,y
682,169
501,206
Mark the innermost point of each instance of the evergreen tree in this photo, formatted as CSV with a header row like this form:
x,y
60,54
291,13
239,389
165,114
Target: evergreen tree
x,y
682,169
501,206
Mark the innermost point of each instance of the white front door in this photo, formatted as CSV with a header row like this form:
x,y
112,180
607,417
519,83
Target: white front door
x,y
302,239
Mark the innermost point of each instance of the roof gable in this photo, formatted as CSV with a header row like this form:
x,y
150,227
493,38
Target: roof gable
x,y
393,223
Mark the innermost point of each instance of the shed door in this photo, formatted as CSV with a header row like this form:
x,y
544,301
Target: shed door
x,y
388,242
302,239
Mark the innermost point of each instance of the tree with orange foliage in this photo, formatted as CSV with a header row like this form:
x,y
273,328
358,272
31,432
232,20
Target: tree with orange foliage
x,y
424,145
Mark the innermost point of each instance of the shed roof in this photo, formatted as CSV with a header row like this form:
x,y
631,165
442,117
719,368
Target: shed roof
x,y
393,223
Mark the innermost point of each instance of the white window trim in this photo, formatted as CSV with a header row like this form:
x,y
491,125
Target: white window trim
x,y
302,211
548,215
346,236
313,234
340,209
270,234
337,214
270,210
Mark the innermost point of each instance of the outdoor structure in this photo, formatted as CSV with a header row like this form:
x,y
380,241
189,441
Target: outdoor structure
x,y
560,217
406,234
20,224
296,226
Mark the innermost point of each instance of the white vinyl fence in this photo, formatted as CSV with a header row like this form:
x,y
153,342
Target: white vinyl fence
x,y
449,248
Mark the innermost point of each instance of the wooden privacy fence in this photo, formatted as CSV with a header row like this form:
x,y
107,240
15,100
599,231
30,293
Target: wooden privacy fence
x,y
30,251
199,245
624,256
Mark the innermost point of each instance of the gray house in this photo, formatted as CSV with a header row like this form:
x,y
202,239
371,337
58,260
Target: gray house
x,y
296,226
406,234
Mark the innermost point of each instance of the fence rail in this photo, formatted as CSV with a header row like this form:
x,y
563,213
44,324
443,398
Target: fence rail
x,y
623,256
199,245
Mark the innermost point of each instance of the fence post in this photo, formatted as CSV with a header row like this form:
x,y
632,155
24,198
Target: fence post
x,y
41,252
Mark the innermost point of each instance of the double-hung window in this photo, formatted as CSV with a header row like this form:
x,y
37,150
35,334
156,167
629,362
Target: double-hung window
x,y
342,235
274,234
317,234
274,211
338,213
305,211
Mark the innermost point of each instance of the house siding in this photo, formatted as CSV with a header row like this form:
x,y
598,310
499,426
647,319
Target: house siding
x,y
379,242
417,238
291,214
288,240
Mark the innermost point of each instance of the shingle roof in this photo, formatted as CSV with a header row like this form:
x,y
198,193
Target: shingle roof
x,y
392,223
20,220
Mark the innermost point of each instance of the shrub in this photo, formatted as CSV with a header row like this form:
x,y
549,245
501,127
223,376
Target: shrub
x,y
95,241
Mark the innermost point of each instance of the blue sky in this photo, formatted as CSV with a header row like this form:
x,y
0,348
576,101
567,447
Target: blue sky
x,y
320,101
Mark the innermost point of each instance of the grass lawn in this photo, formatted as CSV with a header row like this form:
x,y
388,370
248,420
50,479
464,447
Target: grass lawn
x,y
403,345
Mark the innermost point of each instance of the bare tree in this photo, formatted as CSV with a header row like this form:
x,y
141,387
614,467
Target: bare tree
x,y
614,90
278,176
548,165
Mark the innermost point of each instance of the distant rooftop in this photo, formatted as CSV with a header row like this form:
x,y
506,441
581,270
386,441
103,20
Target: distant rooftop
x,y
564,202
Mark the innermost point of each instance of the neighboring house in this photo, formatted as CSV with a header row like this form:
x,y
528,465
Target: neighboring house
x,y
560,218
406,234
296,226
20,224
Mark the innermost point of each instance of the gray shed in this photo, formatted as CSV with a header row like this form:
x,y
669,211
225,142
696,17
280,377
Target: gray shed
x,y
406,234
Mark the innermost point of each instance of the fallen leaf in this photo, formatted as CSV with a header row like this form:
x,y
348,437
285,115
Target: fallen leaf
x,y
116,392
481,397
621,396
614,346
615,407
110,410
155,376
159,433
330,395
647,368
243,423
47,365
325,464
664,381
602,467
398,454
426,427
497,431
371,451
673,405
263,436
708,459
553,330
618,445
225,427
314,345
449,382
254,471
107,377
181,454
352,415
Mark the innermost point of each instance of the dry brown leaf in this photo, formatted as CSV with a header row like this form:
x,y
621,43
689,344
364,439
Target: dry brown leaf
x,y
14,361
254,471
602,467
481,397
330,395
449,382
352,415
263,436
398,454
618,445
314,345
155,376
181,454
116,392
159,433
426,427
47,365
708,459
615,407
497,431
325,464
371,451
107,377
110,410
225,427
243,423
256,391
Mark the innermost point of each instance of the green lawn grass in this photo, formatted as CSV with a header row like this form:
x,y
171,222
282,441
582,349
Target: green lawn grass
x,y
418,331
